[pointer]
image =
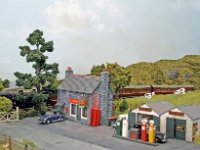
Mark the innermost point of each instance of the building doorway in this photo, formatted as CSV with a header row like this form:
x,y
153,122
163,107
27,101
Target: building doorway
x,y
176,128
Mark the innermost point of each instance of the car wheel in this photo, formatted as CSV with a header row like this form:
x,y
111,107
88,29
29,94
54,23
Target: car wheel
x,y
60,119
48,121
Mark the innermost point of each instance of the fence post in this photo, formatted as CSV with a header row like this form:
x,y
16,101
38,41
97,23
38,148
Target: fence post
x,y
17,113
7,117
10,143
26,147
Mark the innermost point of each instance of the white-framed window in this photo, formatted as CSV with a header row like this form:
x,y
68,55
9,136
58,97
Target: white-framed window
x,y
84,113
73,108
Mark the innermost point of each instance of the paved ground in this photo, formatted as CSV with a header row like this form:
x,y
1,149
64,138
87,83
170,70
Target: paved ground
x,y
72,135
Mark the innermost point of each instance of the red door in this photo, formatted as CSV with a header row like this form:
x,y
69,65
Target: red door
x,y
95,117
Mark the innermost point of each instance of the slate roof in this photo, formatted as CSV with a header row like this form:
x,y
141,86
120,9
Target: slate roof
x,y
160,107
83,84
192,111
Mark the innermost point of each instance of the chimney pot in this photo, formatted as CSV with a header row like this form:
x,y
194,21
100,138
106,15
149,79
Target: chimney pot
x,y
68,72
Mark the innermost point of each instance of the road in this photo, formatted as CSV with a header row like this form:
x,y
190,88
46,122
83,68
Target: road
x,y
72,135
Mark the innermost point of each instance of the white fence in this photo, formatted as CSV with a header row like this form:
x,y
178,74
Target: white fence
x,y
149,95
180,91
9,116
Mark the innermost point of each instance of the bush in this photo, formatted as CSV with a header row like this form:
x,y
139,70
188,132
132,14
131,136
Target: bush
x,y
123,106
44,108
27,113
197,140
29,143
5,104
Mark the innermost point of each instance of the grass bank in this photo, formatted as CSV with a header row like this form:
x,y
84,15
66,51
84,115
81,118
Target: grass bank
x,y
192,97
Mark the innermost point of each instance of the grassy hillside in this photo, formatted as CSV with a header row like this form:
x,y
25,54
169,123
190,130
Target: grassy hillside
x,y
182,71
189,98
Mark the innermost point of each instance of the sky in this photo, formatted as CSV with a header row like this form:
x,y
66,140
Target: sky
x,y
92,32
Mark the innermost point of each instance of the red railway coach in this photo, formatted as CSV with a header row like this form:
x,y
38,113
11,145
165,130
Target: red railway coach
x,y
170,89
140,90
134,90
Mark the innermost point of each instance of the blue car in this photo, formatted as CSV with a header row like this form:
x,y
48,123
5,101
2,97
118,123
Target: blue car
x,y
51,116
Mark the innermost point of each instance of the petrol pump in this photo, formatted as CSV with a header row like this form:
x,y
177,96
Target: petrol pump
x,y
144,130
152,129
125,127
118,128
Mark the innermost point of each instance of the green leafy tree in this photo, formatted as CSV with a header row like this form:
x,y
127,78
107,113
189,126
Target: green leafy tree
x,y
5,104
119,76
4,84
97,69
45,74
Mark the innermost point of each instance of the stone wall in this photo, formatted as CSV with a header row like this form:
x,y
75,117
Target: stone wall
x,y
63,96
104,98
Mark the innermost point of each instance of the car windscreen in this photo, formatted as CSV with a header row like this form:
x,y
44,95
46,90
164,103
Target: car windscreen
x,y
49,113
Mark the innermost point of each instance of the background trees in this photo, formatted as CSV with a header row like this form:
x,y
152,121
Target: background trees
x,y
119,76
4,84
45,74
96,69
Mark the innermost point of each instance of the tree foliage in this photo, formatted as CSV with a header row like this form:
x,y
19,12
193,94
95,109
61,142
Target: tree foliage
x,y
4,84
5,104
96,69
119,76
1,86
123,105
45,74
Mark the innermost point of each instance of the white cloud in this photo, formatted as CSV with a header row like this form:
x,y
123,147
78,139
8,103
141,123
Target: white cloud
x,y
79,16
65,15
100,27
5,61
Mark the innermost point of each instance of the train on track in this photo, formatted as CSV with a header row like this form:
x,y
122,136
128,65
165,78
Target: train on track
x,y
11,93
140,90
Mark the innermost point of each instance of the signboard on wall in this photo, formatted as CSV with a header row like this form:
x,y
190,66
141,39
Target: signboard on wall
x,y
74,101
83,102
77,102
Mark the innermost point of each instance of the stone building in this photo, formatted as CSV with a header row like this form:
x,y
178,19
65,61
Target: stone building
x,y
78,95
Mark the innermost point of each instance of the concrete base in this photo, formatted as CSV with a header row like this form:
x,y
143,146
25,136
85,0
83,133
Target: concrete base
x,y
138,140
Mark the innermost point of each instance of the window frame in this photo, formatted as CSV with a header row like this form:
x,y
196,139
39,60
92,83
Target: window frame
x,y
74,115
83,117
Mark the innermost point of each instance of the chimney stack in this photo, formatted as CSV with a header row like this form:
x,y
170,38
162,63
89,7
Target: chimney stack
x,y
104,90
68,72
